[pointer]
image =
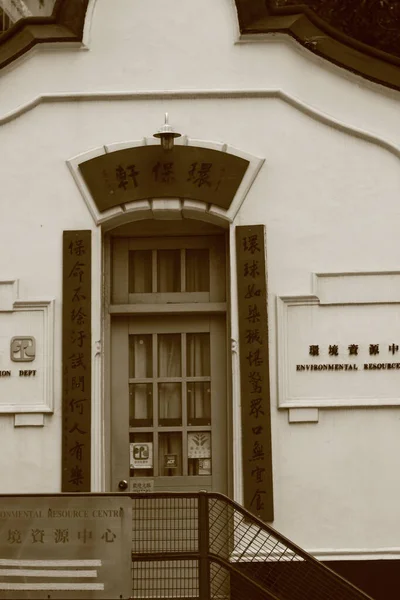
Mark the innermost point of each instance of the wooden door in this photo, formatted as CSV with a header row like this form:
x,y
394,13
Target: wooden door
x,y
169,417
169,402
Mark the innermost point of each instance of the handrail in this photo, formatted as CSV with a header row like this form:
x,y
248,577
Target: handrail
x,y
205,546
247,550
296,549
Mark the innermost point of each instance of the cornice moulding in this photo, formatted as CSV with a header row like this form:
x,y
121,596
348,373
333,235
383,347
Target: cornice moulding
x,y
260,17
65,25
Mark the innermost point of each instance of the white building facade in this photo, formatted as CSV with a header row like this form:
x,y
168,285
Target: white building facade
x,y
319,147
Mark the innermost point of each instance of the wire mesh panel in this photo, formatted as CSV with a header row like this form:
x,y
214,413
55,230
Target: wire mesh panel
x,y
220,582
165,533
165,579
261,553
164,524
205,546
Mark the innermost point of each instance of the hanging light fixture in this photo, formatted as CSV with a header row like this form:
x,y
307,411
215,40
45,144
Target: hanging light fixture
x,y
167,135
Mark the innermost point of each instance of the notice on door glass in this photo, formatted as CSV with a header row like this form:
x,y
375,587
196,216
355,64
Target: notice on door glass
x,y
199,444
141,455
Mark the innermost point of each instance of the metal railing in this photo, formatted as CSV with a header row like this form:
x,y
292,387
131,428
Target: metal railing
x,y
206,546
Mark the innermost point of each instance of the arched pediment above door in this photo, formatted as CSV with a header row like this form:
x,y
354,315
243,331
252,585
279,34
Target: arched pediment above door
x,y
132,181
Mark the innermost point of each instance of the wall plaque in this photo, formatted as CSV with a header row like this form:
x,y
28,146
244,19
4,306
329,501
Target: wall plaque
x,y
26,352
76,358
343,350
143,485
59,547
150,172
254,371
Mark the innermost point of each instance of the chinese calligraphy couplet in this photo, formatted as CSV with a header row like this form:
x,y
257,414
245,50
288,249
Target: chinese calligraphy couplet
x,y
76,347
254,371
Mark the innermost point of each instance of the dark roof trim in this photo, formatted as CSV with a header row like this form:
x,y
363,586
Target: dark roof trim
x,y
65,25
303,24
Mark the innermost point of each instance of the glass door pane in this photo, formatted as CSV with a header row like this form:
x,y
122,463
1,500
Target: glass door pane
x,y
170,404
198,354
140,271
198,270
140,356
169,355
140,404
199,403
168,271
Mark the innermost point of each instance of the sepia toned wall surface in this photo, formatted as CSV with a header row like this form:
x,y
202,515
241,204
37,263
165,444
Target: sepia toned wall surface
x,y
327,193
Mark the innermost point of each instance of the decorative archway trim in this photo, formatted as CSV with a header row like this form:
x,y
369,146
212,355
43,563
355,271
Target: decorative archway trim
x,y
64,25
310,23
132,181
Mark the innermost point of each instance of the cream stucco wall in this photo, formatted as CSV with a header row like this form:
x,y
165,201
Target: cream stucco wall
x,y
327,193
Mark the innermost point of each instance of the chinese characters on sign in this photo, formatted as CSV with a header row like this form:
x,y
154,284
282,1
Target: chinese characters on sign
x,y
145,172
254,371
70,544
142,486
76,361
352,351
337,354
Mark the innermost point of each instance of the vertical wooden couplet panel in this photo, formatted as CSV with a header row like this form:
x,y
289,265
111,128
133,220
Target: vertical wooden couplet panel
x,y
254,371
76,361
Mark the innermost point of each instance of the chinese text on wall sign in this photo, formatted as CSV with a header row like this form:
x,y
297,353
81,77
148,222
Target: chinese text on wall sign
x,y
254,371
352,350
147,172
76,361
57,545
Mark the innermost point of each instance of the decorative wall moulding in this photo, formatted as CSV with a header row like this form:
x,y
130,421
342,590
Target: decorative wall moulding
x,y
65,25
339,346
360,35
26,352
138,180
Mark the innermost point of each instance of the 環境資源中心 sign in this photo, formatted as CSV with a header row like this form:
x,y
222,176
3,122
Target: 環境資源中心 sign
x,y
77,546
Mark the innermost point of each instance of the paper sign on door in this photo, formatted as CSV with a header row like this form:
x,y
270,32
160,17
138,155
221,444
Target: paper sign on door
x,y
141,455
199,444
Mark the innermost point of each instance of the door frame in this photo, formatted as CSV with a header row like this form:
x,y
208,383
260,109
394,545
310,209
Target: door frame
x,y
139,227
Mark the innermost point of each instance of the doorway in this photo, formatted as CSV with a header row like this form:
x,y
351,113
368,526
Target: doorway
x,y
168,386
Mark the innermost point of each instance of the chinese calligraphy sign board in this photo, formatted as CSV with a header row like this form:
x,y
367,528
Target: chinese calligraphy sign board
x,y
337,354
254,371
65,547
145,172
76,331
